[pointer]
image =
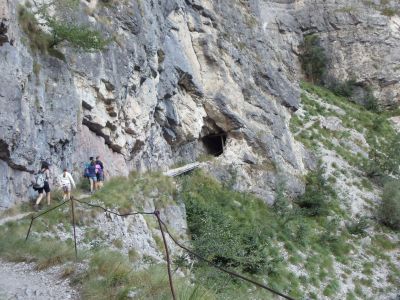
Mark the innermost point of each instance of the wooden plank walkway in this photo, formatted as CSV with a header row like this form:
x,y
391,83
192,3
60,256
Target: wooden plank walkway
x,y
181,170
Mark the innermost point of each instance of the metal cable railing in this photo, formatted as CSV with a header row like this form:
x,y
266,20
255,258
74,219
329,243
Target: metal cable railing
x,y
164,229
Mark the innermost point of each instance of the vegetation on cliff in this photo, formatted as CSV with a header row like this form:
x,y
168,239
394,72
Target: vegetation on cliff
x,y
297,252
46,31
318,244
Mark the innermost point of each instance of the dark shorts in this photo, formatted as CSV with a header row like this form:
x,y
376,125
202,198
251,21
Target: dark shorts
x,y
99,177
45,188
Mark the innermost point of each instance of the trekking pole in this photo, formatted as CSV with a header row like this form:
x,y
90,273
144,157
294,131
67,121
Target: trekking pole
x,y
73,225
157,214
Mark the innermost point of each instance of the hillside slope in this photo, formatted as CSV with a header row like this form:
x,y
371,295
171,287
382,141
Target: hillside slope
x,y
329,243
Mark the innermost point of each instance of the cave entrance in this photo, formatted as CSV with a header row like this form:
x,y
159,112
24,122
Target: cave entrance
x,y
214,144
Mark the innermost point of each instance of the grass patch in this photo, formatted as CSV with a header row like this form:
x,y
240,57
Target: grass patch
x,y
331,288
110,276
45,252
135,191
384,243
376,128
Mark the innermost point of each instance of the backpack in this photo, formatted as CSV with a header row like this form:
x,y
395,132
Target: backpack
x,y
39,181
45,164
86,170
99,170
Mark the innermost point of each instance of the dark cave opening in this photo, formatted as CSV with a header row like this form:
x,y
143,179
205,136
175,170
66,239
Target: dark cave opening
x,y
214,143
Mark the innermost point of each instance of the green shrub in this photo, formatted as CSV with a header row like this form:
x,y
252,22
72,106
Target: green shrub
x,y
389,212
78,36
371,103
282,204
383,156
318,195
227,241
62,27
358,227
313,58
344,89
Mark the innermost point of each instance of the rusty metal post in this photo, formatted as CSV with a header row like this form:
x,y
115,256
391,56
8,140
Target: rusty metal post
x,y
73,225
157,214
29,230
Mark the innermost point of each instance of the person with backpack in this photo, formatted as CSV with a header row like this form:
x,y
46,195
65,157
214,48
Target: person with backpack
x,y
67,182
86,168
92,175
100,172
41,185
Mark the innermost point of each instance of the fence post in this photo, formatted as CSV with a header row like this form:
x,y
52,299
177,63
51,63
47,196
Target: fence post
x,y
157,214
73,225
29,230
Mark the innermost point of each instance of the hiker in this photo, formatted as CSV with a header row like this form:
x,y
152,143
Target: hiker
x,y
67,182
86,166
100,172
92,175
42,184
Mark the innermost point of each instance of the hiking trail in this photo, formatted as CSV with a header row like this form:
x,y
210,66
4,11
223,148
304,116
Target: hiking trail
x,y
23,281
14,218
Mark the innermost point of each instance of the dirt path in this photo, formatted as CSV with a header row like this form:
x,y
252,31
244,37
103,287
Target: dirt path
x,y
22,281
13,218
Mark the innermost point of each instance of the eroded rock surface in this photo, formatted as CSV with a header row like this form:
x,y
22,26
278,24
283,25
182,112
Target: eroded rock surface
x,y
178,74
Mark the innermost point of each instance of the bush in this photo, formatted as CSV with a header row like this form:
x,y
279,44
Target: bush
x,y
383,155
78,36
313,58
358,227
371,103
62,27
218,236
344,89
315,201
389,212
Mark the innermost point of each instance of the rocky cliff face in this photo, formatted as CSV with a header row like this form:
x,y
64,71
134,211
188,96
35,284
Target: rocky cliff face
x,y
183,79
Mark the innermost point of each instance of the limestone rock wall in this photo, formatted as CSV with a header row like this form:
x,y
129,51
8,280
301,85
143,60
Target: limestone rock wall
x,y
361,39
176,72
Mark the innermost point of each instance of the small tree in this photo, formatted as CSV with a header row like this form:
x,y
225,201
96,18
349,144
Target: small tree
x,y
313,58
78,36
315,201
389,212
62,26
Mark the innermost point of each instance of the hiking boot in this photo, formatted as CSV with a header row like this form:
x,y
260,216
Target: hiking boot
x,y
36,207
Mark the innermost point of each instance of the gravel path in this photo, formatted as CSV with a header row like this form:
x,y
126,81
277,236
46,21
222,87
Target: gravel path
x,y
22,281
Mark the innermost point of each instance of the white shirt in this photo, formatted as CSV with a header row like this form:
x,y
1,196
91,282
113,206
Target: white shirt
x,y
67,180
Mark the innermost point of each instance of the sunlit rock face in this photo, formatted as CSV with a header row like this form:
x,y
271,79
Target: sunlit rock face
x,y
178,74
